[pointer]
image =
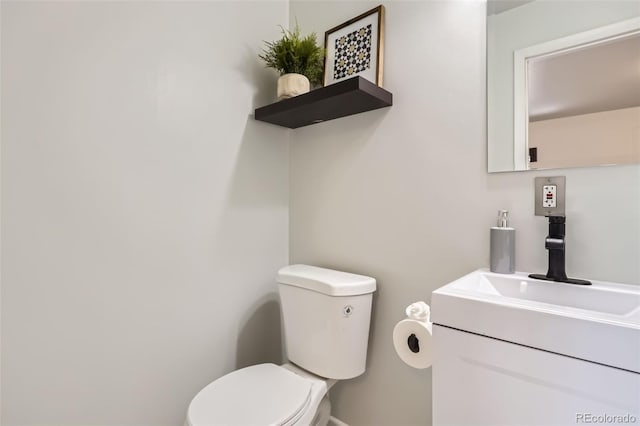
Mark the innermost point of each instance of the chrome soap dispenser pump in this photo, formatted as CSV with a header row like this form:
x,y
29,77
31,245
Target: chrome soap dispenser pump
x,y
503,245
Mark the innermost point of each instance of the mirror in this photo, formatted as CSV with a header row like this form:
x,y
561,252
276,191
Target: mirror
x,y
563,84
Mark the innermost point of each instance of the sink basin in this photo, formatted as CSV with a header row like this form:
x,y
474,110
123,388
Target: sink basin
x,y
598,323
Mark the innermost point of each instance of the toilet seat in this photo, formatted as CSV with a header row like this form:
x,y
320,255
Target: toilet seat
x,y
263,394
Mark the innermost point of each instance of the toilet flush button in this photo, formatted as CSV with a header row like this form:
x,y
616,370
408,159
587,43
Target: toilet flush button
x,y
347,310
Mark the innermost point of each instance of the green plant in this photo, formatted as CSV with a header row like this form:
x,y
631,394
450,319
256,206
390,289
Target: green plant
x,y
295,54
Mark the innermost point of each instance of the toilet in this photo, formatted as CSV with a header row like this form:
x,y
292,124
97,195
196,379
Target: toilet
x,y
326,316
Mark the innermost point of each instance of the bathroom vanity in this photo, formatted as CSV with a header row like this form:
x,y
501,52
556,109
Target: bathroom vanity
x,y
511,350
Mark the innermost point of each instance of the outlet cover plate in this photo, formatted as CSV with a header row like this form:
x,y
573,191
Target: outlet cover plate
x,y
539,183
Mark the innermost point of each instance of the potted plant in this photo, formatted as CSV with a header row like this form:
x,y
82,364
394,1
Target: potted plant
x,y
298,59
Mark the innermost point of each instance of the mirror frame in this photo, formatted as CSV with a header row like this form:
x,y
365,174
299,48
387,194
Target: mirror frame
x,y
580,40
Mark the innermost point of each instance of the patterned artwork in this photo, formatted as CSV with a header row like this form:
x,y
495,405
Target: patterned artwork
x,y
352,53
354,49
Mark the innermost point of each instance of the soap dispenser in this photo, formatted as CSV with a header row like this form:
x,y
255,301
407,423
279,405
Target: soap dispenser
x,y
503,245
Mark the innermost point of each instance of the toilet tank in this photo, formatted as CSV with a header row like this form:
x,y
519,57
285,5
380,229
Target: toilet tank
x,y
326,316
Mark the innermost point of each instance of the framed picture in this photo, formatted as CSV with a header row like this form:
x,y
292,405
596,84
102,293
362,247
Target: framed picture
x,y
356,48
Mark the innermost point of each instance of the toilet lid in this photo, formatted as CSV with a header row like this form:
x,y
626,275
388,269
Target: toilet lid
x,y
262,394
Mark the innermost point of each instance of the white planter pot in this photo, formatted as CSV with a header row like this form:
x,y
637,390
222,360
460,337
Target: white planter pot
x,y
290,85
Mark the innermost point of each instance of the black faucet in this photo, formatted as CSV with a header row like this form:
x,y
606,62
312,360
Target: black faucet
x,y
555,244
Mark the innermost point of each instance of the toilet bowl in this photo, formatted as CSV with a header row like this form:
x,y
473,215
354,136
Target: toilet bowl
x,y
326,316
263,394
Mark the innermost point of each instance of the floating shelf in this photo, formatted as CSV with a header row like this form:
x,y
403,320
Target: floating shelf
x,y
347,97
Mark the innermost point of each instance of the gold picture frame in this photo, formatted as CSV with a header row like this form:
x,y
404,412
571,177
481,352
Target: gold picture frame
x,y
356,47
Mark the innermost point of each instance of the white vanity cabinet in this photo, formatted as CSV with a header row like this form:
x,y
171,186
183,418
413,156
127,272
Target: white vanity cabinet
x,y
510,350
479,380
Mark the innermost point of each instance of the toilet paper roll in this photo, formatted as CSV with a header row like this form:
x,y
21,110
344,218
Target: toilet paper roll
x,y
412,340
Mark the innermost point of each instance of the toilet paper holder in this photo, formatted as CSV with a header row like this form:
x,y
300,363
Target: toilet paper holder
x,y
419,311
412,336
414,343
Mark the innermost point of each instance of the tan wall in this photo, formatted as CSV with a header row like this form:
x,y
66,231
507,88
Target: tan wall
x,y
609,137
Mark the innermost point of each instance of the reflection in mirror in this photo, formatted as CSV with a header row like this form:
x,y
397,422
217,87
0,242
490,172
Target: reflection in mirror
x,y
579,99
563,84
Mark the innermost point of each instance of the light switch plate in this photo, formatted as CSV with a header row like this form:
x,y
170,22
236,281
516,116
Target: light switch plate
x,y
549,195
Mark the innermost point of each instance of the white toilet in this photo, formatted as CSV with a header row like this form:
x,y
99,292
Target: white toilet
x,y
326,317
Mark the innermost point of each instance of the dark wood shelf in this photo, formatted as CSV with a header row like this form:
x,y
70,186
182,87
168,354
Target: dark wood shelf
x,y
347,97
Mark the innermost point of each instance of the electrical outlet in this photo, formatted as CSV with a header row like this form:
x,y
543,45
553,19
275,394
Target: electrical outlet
x,y
549,195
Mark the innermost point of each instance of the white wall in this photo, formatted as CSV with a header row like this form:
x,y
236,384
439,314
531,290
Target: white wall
x,y
403,194
144,211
